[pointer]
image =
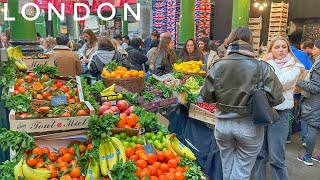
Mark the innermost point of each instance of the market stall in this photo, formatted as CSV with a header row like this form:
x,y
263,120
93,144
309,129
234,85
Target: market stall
x,y
121,127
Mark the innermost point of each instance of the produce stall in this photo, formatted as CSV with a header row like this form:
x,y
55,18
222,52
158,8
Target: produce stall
x,y
121,127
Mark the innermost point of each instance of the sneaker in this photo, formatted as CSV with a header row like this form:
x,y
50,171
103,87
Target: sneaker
x,y
306,160
304,144
288,142
316,158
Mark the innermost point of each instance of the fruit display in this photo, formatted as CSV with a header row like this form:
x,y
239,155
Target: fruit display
x,y
176,146
158,140
128,141
110,94
122,72
192,84
209,107
189,67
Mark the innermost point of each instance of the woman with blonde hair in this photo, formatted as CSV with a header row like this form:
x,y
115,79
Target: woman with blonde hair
x,y
288,70
49,44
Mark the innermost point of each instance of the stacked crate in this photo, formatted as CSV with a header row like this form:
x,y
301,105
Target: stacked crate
x,y
255,25
278,20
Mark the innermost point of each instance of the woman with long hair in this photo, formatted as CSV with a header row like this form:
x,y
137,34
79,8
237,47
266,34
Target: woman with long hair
x,y
230,83
209,55
190,51
310,106
288,70
49,43
90,47
164,57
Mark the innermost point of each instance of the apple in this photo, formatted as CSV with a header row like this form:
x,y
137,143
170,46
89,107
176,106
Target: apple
x,y
102,109
122,105
107,104
108,111
115,109
130,109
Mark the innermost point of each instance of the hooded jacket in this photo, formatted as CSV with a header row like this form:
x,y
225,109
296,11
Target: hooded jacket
x,y
136,58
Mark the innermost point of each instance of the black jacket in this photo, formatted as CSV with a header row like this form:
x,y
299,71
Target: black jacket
x,y
136,58
231,80
162,64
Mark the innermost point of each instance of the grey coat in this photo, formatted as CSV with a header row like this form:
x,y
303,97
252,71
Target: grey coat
x,y
310,107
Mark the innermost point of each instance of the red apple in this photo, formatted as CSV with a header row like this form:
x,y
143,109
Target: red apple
x,y
122,105
130,109
108,111
102,109
115,109
107,104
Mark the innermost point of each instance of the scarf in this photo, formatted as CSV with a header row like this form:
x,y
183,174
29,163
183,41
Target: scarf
x,y
304,93
282,62
240,47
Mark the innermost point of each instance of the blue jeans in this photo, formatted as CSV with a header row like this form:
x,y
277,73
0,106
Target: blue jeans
x,y
239,142
273,150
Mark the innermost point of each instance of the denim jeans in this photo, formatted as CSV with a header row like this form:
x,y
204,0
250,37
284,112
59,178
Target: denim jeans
x,y
304,131
239,142
273,150
311,139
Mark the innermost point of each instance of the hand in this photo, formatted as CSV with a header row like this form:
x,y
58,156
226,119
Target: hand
x,y
268,57
84,60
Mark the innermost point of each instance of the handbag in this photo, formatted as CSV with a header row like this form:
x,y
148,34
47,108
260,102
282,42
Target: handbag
x,y
262,113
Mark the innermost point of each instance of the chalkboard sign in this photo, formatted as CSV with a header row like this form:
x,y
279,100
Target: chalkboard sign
x,y
148,148
58,100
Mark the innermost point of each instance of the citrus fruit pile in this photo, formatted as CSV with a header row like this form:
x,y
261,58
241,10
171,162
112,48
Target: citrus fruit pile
x,y
189,67
122,72
163,165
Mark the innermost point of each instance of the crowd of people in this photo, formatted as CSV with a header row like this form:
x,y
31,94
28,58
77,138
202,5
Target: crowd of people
x,y
232,76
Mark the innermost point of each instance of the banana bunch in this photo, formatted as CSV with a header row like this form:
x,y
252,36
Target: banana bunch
x,y
111,151
173,144
22,170
21,65
109,94
93,172
15,52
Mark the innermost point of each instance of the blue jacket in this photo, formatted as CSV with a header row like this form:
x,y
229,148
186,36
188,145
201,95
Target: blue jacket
x,y
303,57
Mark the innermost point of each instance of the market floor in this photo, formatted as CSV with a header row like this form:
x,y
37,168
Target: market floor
x,y
296,169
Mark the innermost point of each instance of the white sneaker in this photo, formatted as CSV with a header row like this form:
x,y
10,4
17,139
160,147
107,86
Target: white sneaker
x,y
304,144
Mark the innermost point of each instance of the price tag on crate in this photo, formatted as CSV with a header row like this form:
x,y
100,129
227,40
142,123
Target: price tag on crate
x,y
58,100
148,148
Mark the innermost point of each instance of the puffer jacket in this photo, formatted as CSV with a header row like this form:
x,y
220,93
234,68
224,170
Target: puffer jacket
x,y
231,81
310,107
162,64
288,75
136,58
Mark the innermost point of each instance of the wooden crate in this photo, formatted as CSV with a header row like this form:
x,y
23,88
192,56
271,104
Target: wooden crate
x,y
279,9
277,19
256,33
32,63
255,20
255,27
200,114
277,24
278,29
279,14
279,5
50,124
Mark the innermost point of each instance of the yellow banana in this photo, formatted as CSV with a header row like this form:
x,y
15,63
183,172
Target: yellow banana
x,y
17,54
35,174
10,51
121,152
112,155
109,89
103,158
181,149
18,173
93,172
21,65
169,146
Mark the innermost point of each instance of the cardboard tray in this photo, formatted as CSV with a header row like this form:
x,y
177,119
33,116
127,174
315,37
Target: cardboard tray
x,y
50,124
201,114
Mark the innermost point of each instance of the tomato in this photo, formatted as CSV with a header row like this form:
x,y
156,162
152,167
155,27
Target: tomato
x,y
81,113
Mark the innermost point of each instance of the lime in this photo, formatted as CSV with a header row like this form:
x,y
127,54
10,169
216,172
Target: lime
x,y
128,139
160,133
126,144
149,141
154,137
152,134
164,149
148,135
133,144
164,144
123,135
158,137
140,141
164,139
134,138
117,136
123,140
159,146
156,142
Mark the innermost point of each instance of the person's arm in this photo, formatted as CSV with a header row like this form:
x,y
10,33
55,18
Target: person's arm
x,y
78,66
313,86
208,92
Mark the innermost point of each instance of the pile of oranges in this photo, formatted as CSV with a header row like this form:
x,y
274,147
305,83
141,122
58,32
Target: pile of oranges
x,y
128,121
59,162
162,166
122,72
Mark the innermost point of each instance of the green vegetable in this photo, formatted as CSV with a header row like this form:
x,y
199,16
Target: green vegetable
x,y
151,80
16,141
166,91
52,71
88,156
180,88
192,84
101,125
86,89
148,97
112,65
192,98
124,170
179,61
6,169
132,98
200,80
97,87
194,172
20,102
8,71
177,75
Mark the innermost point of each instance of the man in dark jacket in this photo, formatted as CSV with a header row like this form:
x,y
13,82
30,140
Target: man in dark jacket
x,y
136,58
